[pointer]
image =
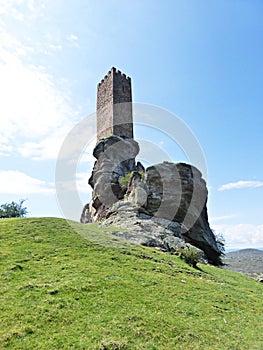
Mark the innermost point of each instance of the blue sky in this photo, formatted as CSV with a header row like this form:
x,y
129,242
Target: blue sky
x,y
201,60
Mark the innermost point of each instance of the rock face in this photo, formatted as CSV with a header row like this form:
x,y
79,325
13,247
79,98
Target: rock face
x,y
146,230
115,159
177,192
164,206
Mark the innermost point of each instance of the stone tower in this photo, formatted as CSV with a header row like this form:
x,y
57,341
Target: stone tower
x,y
114,106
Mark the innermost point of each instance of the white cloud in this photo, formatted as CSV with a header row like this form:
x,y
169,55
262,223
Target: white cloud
x,y
11,7
31,105
223,217
35,114
5,149
47,148
32,109
16,182
73,39
79,184
55,47
241,235
241,184
22,9
82,183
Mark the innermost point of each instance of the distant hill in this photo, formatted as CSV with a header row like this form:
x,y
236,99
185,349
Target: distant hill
x,y
247,261
65,288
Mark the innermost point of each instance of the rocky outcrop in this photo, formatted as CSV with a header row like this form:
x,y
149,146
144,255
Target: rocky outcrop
x,y
141,228
115,159
164,206
178,192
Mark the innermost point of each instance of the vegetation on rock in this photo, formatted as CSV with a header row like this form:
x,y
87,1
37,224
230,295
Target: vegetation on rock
x,y
124,181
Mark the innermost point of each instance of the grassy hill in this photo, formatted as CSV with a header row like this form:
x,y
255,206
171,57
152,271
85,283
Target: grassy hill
x,y
63,290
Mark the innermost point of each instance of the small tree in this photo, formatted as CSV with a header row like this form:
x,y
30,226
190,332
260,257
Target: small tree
x,y
13,210
220,242
190,255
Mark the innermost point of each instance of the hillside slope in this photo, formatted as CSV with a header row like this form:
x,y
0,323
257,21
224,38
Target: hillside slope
x,y
247,261
61,290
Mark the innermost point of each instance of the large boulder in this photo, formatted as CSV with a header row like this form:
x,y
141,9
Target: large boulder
x,y
141,228
148,203
178,192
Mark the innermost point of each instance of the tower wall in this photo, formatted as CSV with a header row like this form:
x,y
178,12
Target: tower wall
x,y
105,106
114,106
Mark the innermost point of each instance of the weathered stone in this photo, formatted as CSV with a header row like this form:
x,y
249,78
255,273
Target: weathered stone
x,y
146,230
115,159
114,105
137,190
177,192
260,279
172,193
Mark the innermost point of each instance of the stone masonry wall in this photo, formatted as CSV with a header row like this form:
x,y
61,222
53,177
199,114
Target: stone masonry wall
x,y
122,106
114,106
105,106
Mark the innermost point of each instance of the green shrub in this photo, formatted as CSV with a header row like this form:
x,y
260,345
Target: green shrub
x,y
13,210
125,179
190,255
220,242
112,345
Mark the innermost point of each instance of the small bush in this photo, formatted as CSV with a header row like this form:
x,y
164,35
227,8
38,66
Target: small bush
x,y
190,255
220,242
125,179
13,210
112,345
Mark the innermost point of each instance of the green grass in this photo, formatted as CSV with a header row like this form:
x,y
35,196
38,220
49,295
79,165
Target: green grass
x,y
66,290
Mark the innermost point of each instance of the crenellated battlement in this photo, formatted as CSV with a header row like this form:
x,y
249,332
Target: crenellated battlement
x,y
116,72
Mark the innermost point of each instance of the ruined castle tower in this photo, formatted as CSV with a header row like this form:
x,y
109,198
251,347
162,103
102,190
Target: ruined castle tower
x,y
114,106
